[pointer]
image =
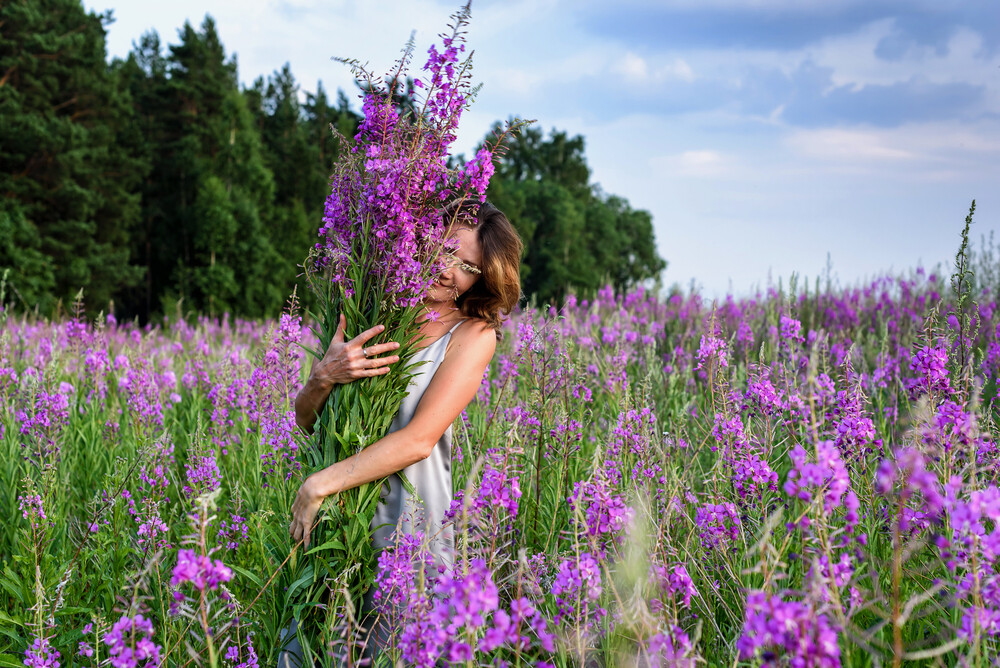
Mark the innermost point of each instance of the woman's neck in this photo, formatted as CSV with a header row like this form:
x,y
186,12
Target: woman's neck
x,y
441,313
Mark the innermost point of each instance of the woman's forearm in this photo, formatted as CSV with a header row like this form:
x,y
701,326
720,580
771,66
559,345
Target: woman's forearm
x,y
309,401
390,454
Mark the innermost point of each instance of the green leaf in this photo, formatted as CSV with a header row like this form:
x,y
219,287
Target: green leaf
x,y
335,543
250,576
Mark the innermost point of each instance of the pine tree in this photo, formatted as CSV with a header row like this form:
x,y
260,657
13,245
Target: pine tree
x,y
68,184
576,237
208,206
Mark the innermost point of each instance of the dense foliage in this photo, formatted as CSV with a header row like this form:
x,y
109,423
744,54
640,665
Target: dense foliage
x,y
156,181
802,477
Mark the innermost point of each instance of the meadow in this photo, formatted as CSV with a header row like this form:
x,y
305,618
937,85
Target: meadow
x,y
804,477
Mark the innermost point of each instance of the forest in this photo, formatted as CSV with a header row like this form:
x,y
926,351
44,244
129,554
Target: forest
x,y
158,183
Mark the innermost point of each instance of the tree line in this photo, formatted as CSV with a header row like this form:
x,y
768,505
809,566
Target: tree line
x,y
157,180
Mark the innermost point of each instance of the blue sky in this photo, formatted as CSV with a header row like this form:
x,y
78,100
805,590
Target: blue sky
x,y
762,135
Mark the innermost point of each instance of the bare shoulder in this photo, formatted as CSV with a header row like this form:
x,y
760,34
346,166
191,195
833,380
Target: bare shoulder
x,y
474,335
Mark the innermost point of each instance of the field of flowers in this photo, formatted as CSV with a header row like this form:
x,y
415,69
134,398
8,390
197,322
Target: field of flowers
x,y
807,477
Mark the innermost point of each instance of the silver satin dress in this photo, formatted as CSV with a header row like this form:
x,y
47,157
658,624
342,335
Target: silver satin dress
x,y
400,510
431,478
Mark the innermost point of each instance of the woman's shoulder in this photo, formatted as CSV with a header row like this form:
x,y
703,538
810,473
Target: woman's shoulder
x,y
474,332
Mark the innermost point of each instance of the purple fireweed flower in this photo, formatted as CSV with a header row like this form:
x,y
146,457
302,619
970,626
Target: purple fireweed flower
x,y
130,643
203,475
751,473
464,603
233,656
791,329
232,531
673,648
41,654
199,570
773,625
718,524
31,509
577,581
84,648
632,433
713,350
761,393
930,369
151,529
399,569
675,582
987,620
471,596
908,468
42,424
827,474
952,427
605,514
496,489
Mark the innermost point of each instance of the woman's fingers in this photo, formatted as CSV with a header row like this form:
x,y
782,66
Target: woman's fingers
x,y
380,348
338,336
379,362
365,336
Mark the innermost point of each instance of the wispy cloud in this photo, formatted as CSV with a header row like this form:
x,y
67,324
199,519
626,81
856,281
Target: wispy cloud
x,y
760,133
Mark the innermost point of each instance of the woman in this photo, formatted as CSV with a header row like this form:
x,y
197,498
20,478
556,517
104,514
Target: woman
x,y
464,310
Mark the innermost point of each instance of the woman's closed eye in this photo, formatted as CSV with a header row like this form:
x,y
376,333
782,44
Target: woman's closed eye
x,y
453,260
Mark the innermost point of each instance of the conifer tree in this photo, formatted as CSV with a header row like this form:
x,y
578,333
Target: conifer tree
x,y
68,185
576,236
209,202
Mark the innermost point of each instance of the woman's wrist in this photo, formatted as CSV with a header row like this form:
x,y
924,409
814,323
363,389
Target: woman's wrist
x,y
321,484
318,385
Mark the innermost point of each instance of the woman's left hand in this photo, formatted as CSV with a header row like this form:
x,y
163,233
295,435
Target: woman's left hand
x,y
304,510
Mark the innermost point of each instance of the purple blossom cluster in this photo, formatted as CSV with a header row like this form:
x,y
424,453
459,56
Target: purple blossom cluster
x,y
790,633
605,516
671,648
391,188
906,476
713,352
130,643
930,368
200,571
31,509
718,524
825,479
41,654
234,653
41,425
203,475
577,588
675,582
750,472
456,614
233,531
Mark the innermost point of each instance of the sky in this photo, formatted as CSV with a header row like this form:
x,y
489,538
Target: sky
x,y
766,137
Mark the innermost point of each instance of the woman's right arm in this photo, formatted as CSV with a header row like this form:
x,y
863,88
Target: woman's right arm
x,y
343,362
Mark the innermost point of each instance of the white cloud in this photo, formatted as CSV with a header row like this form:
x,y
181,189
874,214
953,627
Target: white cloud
x,y
846,145
634,68
702,163
731,196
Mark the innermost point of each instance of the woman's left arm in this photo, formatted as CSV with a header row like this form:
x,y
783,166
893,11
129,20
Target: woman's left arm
x,y
454,385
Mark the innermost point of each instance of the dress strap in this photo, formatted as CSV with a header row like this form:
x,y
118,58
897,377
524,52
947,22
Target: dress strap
x,y
456,325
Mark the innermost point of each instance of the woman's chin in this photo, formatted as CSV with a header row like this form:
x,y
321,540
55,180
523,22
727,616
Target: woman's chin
x,y
436,294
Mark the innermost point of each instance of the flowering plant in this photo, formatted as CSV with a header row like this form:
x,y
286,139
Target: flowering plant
x,y
381,245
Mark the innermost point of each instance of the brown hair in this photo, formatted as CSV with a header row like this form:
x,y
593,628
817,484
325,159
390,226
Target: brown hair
x,y
498,289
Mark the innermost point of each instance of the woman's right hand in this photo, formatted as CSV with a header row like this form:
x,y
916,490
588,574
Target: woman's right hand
x,y
346,361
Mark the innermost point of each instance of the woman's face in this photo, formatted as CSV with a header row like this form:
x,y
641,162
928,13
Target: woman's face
x,y
462,269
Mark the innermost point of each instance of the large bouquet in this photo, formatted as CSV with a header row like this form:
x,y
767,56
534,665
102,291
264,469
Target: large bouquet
x,y
382,235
